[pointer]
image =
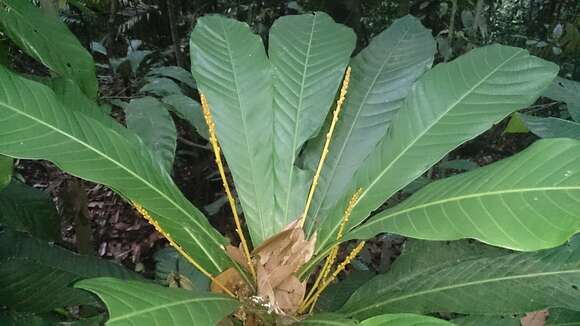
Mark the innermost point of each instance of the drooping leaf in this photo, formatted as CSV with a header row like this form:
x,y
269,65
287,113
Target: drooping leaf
x,y
151,121
176,73
382,75
171,269
70,95
327,319
26,209
230,66
309,54
48,40
36,276
568,91
34,125
188,109
161,87
503,284
6,167
551,127
450,104
139,303
526,202
404,320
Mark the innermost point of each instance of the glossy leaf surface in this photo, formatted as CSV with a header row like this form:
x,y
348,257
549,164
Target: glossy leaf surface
x,y
526,202
232,70
309,54
35,125
451,104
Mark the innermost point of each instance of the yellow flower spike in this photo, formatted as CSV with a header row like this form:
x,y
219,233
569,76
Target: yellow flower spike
x,y
334,251
177,247
324,153
312,301
218,159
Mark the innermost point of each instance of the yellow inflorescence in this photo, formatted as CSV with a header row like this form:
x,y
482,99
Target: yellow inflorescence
x,y
334,251
324,153
312,300
218,159
177,247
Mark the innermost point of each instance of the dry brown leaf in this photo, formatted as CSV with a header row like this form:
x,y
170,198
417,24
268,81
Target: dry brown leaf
x,y
277,259
233,281
289,294
237,254
536,318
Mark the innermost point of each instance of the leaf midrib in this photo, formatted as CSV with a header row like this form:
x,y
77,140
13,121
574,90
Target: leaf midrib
x,y
433,123
132,173
245,133
164,306
466,284
296,125
351,128
464,197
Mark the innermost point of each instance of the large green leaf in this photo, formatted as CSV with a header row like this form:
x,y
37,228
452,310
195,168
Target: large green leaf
x,y
556,317
382,75
188,109
160,86
151,121
563,317
450,104
309,54
230,66
337,293
527,202
404,320
27,209
34,125
68,93
177,73
492,284
36,275
138,303
479,320
48,40
551,127
567,91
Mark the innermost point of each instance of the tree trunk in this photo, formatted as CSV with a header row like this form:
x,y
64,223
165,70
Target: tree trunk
x,y
174,34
